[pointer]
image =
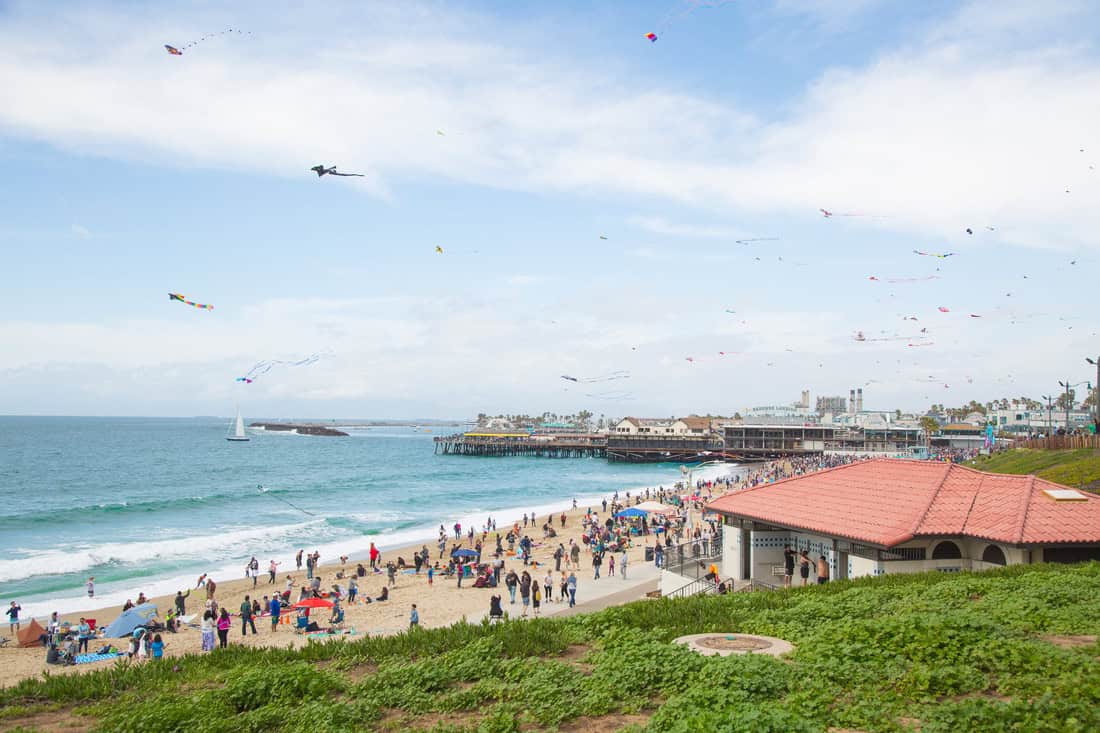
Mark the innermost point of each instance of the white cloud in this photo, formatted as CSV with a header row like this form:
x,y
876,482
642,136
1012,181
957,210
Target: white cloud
x,y
659,225
80,231
943,134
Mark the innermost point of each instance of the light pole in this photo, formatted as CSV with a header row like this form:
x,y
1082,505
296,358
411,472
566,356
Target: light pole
x,y
1069,398
1050,408
1096,397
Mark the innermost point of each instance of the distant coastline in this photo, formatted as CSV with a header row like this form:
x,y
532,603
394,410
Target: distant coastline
x,y
300,428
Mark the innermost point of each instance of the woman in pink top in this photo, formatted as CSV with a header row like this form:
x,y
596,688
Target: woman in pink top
x,y
224,622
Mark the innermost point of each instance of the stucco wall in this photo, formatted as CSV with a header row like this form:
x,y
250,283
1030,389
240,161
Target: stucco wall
x,y
731,552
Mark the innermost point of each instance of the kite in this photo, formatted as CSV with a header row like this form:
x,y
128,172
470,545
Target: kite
x,y
602,236
690,358
758,239
179,51
609,377
905,279
440,133
180,298
975,315
686,8
730,310
830,214
652,37
320,170
723,353
969,230
941,309
943,256
613,395
929,343
264,367
438,249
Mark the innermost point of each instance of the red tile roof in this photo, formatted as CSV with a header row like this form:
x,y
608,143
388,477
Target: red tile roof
x,y
889,501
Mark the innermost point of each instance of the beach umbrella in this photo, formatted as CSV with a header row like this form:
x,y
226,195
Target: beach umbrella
x,y
313,603
631,512
464,553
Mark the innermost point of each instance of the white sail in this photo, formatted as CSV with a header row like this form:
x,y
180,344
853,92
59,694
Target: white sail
x,y
238,430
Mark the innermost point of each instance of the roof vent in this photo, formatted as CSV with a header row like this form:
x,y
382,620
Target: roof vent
x,y
1065,495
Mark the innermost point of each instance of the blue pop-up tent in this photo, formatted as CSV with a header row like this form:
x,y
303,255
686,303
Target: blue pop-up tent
x,y
125,624
464,553
631,512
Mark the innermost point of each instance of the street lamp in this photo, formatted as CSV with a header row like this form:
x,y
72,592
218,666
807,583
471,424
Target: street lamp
x,y
1069,399
1096,420
1050,408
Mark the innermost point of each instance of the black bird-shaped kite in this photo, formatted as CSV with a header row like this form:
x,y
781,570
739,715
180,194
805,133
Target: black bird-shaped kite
x,y
320,170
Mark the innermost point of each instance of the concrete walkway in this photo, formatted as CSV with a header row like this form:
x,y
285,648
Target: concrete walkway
x,y
592,595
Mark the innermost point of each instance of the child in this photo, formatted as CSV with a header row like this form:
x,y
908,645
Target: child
x,y
414,618
158,647
431,574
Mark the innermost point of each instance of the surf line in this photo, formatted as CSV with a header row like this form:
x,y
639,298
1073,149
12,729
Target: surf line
x,y
260,489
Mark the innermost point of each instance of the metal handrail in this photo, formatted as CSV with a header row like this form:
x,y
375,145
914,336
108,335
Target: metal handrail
x,y
683,560
694,588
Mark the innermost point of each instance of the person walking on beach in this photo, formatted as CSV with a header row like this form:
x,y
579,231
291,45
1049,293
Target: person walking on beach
x,y
276,609
611,566
353,589
571,583
414,618
13,616
575,555
511,582
822,570
391,573
224,622
563,589
622,566
788,565
548,587
804,567
558,555
374,553
272,569
91,587
431,574
246,617
211,586
209,624
536,598
525,590
298,559
597,560
309,567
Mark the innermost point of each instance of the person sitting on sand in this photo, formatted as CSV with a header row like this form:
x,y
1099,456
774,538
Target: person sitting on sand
x,y
496,613
385,594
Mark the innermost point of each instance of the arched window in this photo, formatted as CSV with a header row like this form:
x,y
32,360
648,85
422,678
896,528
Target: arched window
x,y
995,555
947,551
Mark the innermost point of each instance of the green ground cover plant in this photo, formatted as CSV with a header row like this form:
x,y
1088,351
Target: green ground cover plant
x,y
1079,468
1008,650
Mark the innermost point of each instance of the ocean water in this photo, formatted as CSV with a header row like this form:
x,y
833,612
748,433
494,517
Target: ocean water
x,y
148,504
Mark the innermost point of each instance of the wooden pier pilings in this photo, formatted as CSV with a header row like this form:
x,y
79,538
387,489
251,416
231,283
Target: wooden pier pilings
x,y
522,445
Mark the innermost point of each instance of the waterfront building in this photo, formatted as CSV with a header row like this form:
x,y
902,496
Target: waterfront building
x,y
901,516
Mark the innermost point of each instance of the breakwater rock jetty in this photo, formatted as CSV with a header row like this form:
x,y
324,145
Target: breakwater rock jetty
x,y
299,428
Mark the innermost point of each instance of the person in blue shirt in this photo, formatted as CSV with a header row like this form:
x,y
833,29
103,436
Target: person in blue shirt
x,y
84,632
276,608
414,618
157,646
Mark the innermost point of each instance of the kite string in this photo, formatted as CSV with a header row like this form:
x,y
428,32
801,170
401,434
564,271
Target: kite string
x,y
261,490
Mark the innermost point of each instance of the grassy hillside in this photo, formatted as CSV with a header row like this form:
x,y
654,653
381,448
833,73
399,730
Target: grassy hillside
x,y
995,651
1079,467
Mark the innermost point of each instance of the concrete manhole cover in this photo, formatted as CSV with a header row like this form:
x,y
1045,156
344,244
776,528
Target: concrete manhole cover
x,y
726,644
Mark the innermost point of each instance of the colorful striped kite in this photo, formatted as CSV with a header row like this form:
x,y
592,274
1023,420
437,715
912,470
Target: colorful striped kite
x,y
182,299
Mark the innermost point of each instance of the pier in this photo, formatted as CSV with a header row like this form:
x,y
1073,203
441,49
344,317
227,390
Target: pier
x,y
562,445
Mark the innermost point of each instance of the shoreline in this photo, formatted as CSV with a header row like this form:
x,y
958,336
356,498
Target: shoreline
x,y
440,603
355,548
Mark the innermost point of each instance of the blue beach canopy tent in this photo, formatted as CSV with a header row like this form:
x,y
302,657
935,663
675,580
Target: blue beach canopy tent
x,y
125,624
631,512
464,553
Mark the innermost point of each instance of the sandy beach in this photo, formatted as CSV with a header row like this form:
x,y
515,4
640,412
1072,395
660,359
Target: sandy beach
x,y
439,604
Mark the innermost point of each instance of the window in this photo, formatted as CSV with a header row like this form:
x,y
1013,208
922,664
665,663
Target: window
x,y
995,555
904,553
947,551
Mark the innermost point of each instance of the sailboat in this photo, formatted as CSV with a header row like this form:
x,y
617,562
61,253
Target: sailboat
x,y
237,434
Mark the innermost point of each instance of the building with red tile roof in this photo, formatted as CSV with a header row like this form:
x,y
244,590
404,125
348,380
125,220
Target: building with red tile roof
x,y
888,515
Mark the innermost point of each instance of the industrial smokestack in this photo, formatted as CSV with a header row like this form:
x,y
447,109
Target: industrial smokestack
x,y
851,401
859,400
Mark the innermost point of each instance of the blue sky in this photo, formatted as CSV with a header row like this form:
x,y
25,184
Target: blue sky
x,y
129,173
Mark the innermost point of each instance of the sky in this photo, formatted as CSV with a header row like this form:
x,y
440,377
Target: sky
x,y
588,189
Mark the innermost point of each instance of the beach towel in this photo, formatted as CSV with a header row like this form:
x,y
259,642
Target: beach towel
x,y
89,658
326,634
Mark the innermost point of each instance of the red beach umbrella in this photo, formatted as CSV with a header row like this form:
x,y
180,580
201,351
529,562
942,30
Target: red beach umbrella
x,y
313,603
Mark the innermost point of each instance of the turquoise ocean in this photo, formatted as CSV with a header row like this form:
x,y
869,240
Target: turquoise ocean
x,y
148,504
